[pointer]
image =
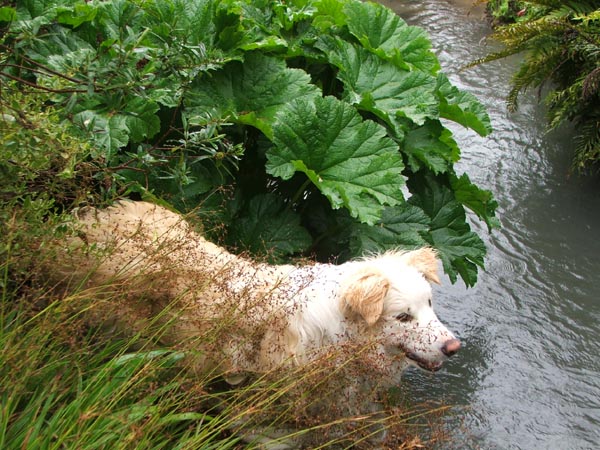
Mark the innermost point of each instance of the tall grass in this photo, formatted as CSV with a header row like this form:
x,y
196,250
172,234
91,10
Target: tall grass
x,y
63,386
67,385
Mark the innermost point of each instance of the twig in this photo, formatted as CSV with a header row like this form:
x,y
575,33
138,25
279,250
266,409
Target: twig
x,y
42,88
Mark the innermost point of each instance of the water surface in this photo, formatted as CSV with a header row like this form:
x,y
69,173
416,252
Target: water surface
x,y
528,376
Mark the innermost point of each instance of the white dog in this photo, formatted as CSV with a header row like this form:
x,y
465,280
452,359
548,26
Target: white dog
x,y
262,316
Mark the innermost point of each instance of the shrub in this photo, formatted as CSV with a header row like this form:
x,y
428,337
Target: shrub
x,y
303,127
562,50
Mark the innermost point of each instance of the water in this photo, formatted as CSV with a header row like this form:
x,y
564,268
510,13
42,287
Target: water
x,y
528,376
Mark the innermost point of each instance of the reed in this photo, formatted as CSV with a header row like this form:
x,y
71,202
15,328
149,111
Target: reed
x,y
63,385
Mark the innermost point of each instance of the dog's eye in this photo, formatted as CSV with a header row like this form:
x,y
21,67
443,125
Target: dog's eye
x,y
404,317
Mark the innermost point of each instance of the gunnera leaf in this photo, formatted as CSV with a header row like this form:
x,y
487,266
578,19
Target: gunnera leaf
x,y
269,228
462,107
383,32
460,249
108,133
431,145
251,92
351,161
400,226
379,86
480,201
112,130
140,116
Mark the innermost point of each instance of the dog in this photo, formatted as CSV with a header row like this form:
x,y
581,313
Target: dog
x,y
262,317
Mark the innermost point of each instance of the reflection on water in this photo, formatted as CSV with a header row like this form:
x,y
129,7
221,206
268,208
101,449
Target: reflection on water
x,y
529,374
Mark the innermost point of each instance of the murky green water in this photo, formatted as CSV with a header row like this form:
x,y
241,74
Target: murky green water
x,y
528,376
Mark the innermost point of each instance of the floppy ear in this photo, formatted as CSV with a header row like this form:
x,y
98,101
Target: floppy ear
x,y
425,261
363,293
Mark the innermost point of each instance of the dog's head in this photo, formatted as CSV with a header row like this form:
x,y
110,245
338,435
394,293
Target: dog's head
x,y
391,295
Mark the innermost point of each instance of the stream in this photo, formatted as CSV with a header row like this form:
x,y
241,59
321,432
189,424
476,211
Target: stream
x,y
528,376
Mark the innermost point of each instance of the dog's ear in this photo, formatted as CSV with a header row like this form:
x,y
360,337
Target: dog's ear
x,y
425,261
363,293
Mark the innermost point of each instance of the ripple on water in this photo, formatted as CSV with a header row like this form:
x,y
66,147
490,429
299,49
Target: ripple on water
x,y
528,376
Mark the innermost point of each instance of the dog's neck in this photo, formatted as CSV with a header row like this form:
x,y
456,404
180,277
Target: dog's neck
x,y
320,321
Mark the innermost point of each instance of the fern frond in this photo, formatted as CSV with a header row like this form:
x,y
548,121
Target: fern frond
x,y
564,105
509,51
591,85
534,72
517,34
587,146
561,44
587,18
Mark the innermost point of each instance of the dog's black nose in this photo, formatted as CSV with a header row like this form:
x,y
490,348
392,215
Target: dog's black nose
x,y
451,346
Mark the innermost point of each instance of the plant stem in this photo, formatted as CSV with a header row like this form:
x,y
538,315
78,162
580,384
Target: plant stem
x,y
300,191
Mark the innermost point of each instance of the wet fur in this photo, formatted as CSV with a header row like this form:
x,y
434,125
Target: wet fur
x,y
262,316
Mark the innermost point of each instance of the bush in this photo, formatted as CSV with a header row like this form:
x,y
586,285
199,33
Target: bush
x,y
305,127
61,384
562,50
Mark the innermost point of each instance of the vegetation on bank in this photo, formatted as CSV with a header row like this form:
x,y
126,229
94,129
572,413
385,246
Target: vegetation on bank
x,y
304,127
292,128
560,42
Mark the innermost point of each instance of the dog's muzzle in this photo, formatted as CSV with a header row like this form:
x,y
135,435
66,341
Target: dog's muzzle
x,y
431,366
450,347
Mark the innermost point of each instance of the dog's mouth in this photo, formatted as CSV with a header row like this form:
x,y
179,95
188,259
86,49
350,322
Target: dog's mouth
x,y
431,366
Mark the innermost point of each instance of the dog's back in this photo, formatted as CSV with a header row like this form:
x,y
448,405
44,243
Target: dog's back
x,y
137,260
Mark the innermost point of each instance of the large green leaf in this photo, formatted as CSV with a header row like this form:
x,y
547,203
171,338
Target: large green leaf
x,y
108,132
351,161
432,146
7,14
381,87
400,226
117,16
251,92
461,253
480,201
140,116
330,13
380,30
182,36
460,249
462,107
77,14
112,130
270,228
64,52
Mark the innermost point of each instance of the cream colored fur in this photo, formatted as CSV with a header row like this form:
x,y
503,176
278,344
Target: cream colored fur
x,y
260,316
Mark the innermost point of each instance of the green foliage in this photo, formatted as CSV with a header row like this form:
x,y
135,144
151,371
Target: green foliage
x,y
322,117
44,170
65,383
353,164
561,44
54,396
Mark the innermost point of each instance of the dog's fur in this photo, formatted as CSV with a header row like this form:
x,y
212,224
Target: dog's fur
x,y
266,316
